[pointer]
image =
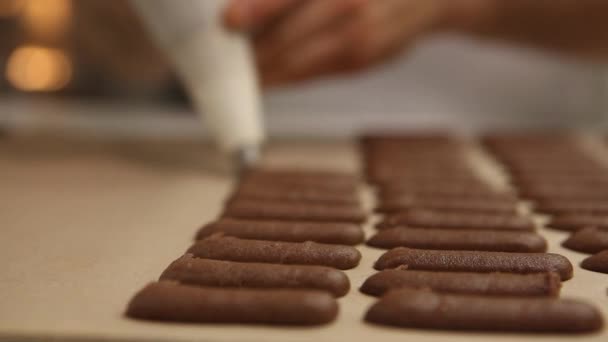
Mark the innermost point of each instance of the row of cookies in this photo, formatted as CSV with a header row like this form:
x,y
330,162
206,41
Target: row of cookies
x,y
462,255
566,181
274,256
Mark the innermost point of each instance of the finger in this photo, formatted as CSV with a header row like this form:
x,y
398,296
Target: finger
x,y
372,35
312,17
388,27
246,15
370,31
319,54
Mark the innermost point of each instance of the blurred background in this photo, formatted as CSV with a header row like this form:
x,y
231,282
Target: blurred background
x,y
78,48
88,66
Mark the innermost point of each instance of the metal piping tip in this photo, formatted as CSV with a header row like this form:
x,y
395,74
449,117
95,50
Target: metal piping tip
x,y
245,158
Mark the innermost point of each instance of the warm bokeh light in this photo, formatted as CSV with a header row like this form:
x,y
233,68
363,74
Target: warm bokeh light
x,y
10,8
32,68
46,20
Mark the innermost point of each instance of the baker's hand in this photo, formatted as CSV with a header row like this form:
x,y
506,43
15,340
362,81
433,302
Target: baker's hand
x,y
301,39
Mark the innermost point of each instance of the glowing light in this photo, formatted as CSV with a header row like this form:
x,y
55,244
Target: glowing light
x,y
32,68
10,8
46,19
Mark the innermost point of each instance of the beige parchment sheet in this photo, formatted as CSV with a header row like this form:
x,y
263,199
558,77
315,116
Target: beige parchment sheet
x,y
85,225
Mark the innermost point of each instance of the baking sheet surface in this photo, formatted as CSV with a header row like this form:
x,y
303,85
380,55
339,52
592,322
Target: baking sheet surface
x,y
84,226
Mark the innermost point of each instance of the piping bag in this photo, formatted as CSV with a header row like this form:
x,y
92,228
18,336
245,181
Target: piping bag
x,y
217,68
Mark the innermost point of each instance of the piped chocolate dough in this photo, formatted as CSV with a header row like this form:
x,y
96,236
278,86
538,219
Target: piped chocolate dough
x,y
172,302
473,261
494,284
574,222
304,253
597,262
429,310
450,204
450,239
216,273
289,211
453,220
289,231
588,240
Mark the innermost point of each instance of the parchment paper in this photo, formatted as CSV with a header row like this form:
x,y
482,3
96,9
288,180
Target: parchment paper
x,y
85,225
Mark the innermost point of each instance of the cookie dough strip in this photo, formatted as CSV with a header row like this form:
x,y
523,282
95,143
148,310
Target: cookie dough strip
x,y
290,194
465,239
589,240
280,210
597,262
318,180
467,205
304,253
494,284
216,273
167,301
573,222
455,220
429,310
572,207
472,261
289,231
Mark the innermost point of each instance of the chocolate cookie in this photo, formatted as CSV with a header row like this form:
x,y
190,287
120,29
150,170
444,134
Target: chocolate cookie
x,y
304,253
166,301
589,240
572,207
422,183
472,261
597,262
450,239
495,284
576,222
328,180
572,195
289,231
421,187
388,194
386,175
439,219
268,192
280,210
467,205
429,310
215,273
525,180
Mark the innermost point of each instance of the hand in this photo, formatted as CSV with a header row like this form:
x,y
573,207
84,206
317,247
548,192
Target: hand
x,y
301,39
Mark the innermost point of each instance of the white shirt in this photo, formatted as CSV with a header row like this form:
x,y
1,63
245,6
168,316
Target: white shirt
x,y
447,82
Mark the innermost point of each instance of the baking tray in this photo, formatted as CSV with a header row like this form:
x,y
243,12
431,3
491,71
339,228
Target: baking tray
x,y
85,225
